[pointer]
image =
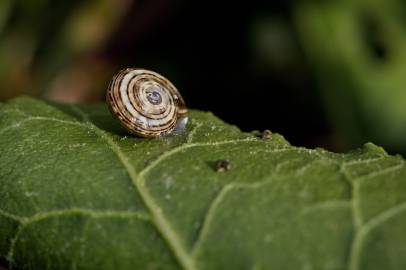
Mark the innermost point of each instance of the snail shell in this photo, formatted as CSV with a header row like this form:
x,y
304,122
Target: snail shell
x,y
146,103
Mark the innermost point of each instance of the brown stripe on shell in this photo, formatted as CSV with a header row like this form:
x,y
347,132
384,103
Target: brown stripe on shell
x,y
174,109
134,100
126,114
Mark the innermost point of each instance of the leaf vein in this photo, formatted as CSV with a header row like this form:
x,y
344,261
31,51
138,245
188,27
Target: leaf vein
x,y
354,262
193,132
10,215
207,219
157,216
359,226
383,171
25,222
185,146
39,118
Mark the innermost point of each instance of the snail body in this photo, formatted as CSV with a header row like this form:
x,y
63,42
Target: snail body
x,y
146,103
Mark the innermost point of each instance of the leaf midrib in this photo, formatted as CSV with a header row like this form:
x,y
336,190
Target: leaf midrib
x,y
157,216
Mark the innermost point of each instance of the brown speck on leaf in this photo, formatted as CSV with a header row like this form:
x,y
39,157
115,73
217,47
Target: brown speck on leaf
x,y
222,165
267,134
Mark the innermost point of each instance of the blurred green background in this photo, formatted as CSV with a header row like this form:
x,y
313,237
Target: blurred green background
x,y
321,72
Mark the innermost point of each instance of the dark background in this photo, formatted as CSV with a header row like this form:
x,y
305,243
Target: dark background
x,y
208,49
322,73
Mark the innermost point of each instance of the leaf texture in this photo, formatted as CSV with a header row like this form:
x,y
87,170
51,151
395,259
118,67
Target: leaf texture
x,y
76,192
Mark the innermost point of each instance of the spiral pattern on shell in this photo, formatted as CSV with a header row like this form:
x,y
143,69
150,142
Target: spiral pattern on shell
x,y
146,103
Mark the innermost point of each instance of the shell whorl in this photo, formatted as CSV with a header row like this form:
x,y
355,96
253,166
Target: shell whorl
x,y
146,103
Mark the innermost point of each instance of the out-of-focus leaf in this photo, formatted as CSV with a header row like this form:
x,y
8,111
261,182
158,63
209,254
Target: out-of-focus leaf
x,y
48,39
77,193
5,7
358,49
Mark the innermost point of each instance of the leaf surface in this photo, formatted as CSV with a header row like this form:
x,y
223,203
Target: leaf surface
x,y
76,192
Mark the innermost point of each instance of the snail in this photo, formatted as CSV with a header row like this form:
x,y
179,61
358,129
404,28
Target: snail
x,y
146,104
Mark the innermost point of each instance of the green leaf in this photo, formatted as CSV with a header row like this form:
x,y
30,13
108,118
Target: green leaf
x,y
358,51
76,192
